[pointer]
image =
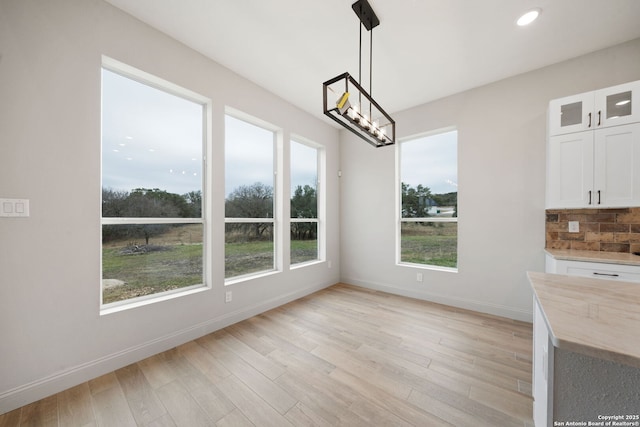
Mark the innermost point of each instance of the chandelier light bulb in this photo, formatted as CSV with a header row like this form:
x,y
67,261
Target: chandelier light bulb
x,y
365,122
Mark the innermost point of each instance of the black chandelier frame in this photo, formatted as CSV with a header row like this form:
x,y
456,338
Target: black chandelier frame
x,y
362,119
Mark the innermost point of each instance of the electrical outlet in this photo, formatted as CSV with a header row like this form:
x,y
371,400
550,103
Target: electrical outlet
x,y
574,227
228,296
419,277
328,264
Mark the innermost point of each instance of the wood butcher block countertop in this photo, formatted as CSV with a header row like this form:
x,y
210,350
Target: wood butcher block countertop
x,y
595,317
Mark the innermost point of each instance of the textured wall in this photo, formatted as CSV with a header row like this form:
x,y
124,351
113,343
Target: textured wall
x,y
586,387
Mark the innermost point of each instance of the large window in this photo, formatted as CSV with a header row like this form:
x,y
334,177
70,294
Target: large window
x,y
153,221
304,203
249,204
429,200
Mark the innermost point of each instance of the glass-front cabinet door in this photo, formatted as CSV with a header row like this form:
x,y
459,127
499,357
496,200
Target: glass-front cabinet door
x,y
618,105
613,106
571,114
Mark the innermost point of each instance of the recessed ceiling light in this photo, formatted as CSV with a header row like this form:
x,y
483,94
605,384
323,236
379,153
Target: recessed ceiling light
x,y
529,17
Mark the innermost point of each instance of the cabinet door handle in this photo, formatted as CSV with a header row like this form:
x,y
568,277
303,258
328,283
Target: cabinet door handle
x,y
589,196
589,120
598,196
599,118
595,273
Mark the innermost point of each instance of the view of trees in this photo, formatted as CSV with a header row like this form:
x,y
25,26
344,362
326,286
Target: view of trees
x,y
246,201
429,242
249,201
150,203
417,201
146,203
304,204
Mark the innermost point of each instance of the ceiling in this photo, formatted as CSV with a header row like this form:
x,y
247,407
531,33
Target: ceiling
x,y
422,50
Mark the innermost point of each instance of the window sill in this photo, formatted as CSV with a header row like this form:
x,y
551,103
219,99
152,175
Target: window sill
x,y
428,267
304,264
250,276
116,307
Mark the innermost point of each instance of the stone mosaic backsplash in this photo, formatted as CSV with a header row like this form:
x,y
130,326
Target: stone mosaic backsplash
x,y
608,230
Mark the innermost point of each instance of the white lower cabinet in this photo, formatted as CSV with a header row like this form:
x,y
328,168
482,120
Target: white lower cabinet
x,y
542,370
598,270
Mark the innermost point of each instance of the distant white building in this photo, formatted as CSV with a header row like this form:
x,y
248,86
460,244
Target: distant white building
x,y
446,211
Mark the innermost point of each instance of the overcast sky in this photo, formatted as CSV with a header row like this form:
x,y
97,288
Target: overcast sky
x,y
304,166
150,139
153,139
432,162
248,154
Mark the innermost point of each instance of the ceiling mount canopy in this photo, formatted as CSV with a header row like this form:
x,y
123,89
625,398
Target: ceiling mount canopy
x,y
350,104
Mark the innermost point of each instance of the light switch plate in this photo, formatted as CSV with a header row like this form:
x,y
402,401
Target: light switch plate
x,y
574,227
14,207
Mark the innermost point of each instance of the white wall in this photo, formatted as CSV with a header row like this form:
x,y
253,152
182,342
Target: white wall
x,y
501,177
51,333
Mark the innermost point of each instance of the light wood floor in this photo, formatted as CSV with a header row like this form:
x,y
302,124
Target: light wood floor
x,y
344,356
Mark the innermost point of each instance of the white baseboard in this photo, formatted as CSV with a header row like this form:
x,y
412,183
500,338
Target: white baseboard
x,y
59,381
468,304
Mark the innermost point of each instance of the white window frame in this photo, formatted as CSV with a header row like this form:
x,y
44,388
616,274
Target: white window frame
x,y
277,203
400,220
158,83
320,200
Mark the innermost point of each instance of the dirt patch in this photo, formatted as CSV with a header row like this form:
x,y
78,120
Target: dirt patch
x,y
112,283
142,249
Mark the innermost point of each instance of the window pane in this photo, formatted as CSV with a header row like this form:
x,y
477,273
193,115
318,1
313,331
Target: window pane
x,y
304,202
304,178
429,176
152,143
432,243
248,248
152,167
304,241
144,259
249,169
429,169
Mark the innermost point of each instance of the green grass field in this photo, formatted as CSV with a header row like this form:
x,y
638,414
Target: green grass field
x,y
172,261
430,244
162,269
168,263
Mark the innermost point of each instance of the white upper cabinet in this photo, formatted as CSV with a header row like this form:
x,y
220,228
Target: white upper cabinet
x,y
613,106
616,179
570,170
594,169
593,149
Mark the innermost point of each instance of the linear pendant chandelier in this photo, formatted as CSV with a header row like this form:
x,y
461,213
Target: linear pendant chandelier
x,y
351,105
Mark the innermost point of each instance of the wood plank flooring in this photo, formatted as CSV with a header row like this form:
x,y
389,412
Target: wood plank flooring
x,y
344,356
